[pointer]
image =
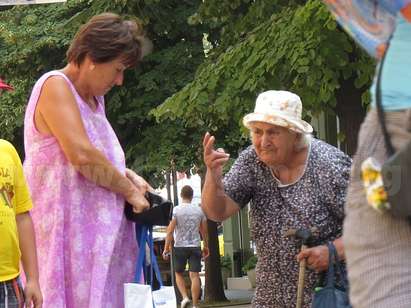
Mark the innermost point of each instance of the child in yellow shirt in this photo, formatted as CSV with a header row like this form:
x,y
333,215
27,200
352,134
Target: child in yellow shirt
x,y
16,233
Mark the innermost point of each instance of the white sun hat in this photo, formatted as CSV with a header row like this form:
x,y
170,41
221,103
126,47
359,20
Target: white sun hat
x,y
280,108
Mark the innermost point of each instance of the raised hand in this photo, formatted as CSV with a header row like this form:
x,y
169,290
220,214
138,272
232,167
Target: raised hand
x,y
213,159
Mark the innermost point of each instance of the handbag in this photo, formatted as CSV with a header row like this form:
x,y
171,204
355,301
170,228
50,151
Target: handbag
x,y
395,170
331,296
141,295
159,213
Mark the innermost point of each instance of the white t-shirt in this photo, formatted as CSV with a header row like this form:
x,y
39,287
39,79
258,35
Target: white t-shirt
x,y
187,231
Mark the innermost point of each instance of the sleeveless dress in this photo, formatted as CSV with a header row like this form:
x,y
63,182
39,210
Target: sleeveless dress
x,y
86,248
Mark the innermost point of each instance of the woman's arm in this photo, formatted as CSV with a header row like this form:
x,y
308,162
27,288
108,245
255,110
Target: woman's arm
x,y
58,114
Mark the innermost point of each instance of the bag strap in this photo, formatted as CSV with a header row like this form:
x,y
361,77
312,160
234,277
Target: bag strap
x,y
145,234
380,110
154,264
331,258
141,233
334,266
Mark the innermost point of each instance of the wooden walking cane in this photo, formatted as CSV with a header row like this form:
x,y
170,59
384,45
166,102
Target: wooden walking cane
x,y
305,235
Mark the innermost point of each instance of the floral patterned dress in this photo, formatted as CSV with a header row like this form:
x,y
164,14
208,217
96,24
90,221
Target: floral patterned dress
x,y
315,200
86,248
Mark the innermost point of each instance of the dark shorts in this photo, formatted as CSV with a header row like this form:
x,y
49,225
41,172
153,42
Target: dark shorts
x,y
190,254
11,293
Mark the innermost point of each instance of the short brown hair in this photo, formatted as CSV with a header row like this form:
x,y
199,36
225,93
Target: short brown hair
x,y
104,38
187,192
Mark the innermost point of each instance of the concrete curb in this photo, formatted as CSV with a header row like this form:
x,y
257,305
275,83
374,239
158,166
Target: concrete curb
x,y
228,303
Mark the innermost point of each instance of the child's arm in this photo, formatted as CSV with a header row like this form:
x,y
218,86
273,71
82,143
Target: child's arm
x,y
29,259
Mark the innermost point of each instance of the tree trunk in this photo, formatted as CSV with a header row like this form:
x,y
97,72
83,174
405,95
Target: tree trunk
x,y
174,179
168,185
214,288
351,113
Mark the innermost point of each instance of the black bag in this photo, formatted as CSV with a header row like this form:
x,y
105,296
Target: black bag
x,y
330,296
159,213
395,171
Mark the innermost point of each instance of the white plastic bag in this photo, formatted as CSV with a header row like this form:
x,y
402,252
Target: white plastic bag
x,y
138,296
164,298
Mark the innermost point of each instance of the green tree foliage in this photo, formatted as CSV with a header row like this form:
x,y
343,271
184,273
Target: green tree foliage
x,y
267,45
34,39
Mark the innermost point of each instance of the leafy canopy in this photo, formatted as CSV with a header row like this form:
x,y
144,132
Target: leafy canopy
x,y
34,39
294,45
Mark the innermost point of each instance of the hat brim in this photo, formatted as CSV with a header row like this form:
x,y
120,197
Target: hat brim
x,y
299,126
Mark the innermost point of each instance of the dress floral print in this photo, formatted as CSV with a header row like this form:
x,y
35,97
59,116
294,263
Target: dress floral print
x,y
316,199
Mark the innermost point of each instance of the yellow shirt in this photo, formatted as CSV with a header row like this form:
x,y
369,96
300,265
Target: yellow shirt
x,y
14,199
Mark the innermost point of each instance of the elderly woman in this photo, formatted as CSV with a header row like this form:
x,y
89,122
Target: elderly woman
x,y
291,181
76,171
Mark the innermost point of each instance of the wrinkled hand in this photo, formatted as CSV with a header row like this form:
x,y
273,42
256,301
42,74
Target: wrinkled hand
x,y
205,252
136,197
213,159
138,181
317,257
32,294
138,201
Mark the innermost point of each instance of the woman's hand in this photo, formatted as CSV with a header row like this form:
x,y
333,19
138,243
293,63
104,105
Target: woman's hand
x,y
138,181
136,198
138,201
213,159
317,257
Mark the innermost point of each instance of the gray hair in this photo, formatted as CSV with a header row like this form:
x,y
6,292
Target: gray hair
x,y
303,141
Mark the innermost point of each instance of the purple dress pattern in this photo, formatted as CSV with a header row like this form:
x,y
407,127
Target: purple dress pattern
x,y
86,247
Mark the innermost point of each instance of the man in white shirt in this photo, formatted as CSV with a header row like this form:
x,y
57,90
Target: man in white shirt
x,y
185,228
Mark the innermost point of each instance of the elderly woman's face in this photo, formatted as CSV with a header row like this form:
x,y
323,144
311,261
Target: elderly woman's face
x,y
273,144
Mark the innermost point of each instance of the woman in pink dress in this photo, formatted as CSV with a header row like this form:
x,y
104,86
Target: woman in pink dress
x,y
76,171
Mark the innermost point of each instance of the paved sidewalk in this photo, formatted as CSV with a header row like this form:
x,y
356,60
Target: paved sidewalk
x,y
237,299
236,295
239,306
